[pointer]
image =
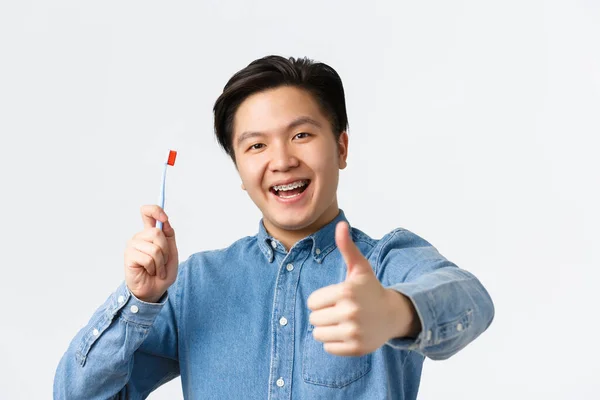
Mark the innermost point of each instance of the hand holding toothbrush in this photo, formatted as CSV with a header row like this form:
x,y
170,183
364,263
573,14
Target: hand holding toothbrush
x,y
151,257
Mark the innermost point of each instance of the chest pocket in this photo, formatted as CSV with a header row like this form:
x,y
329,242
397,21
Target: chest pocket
x,y
322,368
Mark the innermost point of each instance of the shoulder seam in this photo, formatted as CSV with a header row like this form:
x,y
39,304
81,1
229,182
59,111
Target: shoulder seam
x,y
385,240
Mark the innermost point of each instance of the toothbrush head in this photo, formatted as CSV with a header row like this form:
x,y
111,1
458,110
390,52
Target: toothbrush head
x,y
171,158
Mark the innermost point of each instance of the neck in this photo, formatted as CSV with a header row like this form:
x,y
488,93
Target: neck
x,y
290,237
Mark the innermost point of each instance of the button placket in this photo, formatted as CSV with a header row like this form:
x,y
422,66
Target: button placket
x,y
282,320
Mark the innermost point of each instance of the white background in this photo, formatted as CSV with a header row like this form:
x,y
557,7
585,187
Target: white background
x,y
473,124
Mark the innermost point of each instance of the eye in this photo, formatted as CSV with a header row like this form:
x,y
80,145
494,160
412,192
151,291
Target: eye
x,y
256,146
302,135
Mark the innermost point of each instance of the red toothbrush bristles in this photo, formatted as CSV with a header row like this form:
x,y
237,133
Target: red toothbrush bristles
x,y
172,155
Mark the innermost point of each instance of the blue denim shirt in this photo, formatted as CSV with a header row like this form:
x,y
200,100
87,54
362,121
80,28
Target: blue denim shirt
x,y
235,325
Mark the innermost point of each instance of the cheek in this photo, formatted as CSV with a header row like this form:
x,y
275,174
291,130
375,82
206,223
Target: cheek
x,y
251,174
324,162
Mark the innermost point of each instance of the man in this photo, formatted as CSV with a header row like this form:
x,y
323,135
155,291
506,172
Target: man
x,y
308,308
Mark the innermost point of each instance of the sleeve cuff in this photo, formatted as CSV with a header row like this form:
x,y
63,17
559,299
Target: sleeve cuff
x,y
424,310
133,309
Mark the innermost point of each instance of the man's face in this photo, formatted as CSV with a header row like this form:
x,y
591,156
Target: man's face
x,y
288,158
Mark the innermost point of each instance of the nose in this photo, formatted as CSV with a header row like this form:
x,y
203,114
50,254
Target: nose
x,y
282,158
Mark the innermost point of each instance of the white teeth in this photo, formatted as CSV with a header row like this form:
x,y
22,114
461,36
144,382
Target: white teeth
x,y
289,197
291,186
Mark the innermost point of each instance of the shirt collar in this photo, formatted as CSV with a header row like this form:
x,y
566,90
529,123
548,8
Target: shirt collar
x,y
322,242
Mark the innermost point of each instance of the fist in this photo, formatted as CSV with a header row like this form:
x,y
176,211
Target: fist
x,y
359,315
151,257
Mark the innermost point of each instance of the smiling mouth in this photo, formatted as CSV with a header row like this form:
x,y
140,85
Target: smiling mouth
x,y
289,191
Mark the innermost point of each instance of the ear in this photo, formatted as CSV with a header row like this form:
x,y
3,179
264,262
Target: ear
x,y
243,187
343,150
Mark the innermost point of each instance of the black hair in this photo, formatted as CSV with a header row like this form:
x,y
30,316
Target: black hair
x,y
270,72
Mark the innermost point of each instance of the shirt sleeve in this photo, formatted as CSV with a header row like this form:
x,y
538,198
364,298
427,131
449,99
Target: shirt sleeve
x,y
453,306
127,349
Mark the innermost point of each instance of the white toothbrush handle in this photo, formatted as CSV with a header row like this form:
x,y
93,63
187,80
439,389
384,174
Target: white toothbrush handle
x,y
161,199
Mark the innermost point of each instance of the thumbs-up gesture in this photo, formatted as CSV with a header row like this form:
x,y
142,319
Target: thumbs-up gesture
x,y
359,315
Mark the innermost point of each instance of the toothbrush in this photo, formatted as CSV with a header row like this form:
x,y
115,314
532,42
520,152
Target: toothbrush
x,y
161,200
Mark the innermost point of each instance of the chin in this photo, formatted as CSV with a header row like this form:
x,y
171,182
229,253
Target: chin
x,y
293,221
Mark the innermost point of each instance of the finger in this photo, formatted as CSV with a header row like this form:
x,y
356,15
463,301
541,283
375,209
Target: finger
x,y
347,348
331,333
153,251
137,259
168,230
325,297
355,261
327,316
350,252
152,213
156,236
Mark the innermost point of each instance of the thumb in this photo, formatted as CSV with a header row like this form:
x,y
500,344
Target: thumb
x,y
356,263
168,230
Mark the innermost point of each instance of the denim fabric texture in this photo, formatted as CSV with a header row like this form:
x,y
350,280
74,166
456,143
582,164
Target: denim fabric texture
x,y
235,325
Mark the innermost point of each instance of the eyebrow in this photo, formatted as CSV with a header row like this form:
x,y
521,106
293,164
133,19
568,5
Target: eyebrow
x,y
295,123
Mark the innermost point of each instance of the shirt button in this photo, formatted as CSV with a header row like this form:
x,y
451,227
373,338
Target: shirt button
x,y
428,335
283,321
274,244
318,251
121,299
95,332
134,309
290,267
459,327
280,382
